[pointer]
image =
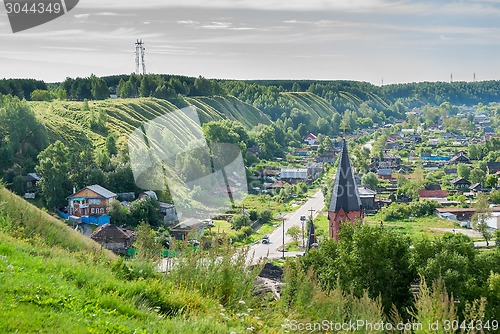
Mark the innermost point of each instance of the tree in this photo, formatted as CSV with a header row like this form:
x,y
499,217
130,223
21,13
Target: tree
x,y
60,94
480,218
125,89
111,144
265,216
362,260
370,179
336,119
120,215
238,221
41,95
147,246
300,117
99,88
22,136
477,176
474,152
294,232
296,87
495,197
323,126
85,105
266,141
145,210
463,171
53,168
491,181
148,86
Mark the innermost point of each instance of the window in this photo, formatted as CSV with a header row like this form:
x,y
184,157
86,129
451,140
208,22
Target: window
x,y
94,201
92,210
101,210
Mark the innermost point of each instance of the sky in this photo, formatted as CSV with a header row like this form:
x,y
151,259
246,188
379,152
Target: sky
x,y
378,41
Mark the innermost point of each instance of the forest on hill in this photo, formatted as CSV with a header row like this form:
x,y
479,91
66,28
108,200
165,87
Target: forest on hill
x,y
340,94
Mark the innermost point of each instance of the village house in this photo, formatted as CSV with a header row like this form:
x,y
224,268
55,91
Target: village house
x,y
277,185
493,167
478,187
367,197
91,200
191,228
460,184
301,152
388,160
294,175
168,212
384,173
481,118
114,238
462,214
391,144
440,196
310,139
31,179
459,158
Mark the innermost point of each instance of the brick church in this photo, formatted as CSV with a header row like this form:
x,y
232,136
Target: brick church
x,y
345,204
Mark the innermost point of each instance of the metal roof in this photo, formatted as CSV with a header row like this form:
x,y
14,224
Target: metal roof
x,y
345,193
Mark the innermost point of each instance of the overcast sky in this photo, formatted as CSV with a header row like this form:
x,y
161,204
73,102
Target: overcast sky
x,y
366,40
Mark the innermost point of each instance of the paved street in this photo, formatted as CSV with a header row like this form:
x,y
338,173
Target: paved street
x,y
259,250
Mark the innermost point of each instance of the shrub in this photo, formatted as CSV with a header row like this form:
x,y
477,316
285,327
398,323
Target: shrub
x,y
238,221
265,216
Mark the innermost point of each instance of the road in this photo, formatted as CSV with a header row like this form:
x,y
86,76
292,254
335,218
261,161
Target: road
x,y
271,251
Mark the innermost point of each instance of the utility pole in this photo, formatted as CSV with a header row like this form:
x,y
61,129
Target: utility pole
x,y
283,237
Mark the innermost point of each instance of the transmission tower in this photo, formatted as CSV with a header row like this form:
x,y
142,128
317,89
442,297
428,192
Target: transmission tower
x,y
139,57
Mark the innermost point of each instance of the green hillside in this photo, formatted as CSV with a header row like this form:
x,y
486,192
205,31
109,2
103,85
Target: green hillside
x,y
316,106
26,221
69,122
53,280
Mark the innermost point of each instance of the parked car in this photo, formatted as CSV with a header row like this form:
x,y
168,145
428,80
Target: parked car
x,y
265,240
303,217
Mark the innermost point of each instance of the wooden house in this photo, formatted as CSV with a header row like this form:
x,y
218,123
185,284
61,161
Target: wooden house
x,y
114,238
90,201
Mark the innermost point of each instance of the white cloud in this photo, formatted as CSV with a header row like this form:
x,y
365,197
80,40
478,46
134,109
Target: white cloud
x,y
81,16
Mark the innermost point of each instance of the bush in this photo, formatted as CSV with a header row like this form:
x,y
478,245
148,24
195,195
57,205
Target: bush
x,y
401,211
266,216
396,211
254,215
41,95
239,221
242,234
495,197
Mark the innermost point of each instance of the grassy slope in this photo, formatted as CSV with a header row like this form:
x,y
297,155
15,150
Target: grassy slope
x,y
27,221
315,105
54,280
67,122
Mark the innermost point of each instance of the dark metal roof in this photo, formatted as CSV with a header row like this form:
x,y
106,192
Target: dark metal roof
x,y
345,192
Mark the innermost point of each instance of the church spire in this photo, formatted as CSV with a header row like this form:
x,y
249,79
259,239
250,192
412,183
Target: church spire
x,y
345,203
